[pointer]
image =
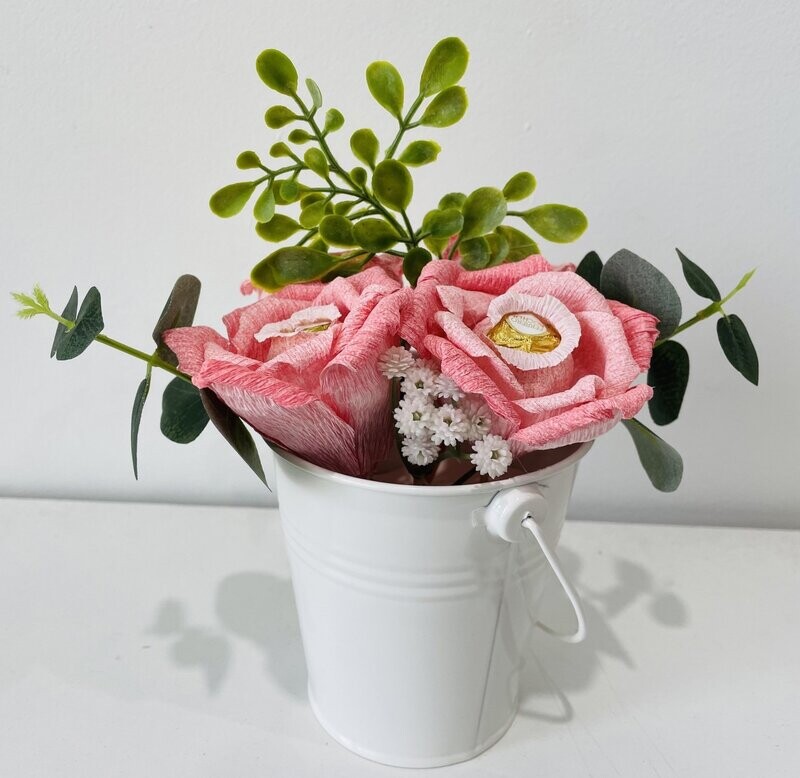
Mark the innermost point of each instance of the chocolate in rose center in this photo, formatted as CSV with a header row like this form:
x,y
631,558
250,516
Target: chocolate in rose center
x,y
525,331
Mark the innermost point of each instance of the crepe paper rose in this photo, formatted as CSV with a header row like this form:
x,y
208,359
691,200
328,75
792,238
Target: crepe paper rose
x,y
300,366
552,358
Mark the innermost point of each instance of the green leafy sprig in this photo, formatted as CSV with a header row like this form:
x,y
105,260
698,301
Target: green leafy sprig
x,y
186,410
632,280
344,216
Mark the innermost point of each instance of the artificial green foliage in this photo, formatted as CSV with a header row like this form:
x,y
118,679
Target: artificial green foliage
x,y
381,186
661,462
699,281
386,86
68,314
291,265
178,311
88,325
519,187
183,416
414,262
590,268
136,418
737,346
445,66
446,108
634,281
669,376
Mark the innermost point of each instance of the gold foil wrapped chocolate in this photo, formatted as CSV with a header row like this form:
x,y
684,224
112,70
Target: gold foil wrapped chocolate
x,y
526,332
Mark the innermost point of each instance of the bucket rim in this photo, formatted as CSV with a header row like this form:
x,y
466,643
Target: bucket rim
x,y
432,491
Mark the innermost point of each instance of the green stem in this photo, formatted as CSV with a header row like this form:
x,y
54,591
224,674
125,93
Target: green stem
x,y
153,360
342,173
405,124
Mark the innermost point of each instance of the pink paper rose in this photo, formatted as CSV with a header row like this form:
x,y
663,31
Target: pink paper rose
x,y
552,357
300,366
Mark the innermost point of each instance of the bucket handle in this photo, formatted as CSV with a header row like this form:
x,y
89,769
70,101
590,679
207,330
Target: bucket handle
x,y
507,517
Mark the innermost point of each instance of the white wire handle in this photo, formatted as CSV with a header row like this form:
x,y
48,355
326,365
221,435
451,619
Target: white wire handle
x,y
580,631
507,517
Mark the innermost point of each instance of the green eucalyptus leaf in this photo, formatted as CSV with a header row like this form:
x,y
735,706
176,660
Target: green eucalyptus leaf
x,y
445,66
519,187
386,86
556,223
413,262
317,162
277,71
669,376
333,120
178,311
69,313
364,144
420,152
443,223
499,248
248,160
337,231
299,137
314,91
232,428
359,176
699,281
661,462
392,184
452,200
311,216
446,108
183,416
279,116
483,210
738,347
475,253
375,234
590,268
264,208
278,228
136,419
88,325
280,149
632,280
520,245
230,200
291,265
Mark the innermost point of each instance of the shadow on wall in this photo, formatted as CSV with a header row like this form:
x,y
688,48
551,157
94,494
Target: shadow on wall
x,y
633,587
260,608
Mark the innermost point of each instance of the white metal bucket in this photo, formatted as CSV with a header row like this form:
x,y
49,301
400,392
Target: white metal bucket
x,y
415,603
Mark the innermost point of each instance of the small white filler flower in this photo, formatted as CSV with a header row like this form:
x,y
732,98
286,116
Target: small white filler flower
x,y
395,362
492,456
419,450
413,415
478,417
419,379
448,425
447,388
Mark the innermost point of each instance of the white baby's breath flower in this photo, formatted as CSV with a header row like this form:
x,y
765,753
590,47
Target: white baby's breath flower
x,y
478,418
448,425
395,362
492,456
420,450
447,388
413,414
419,379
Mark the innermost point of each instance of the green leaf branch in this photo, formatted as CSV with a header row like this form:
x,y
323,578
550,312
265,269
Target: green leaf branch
x,y
333,206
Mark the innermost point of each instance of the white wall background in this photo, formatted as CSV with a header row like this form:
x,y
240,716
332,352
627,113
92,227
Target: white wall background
x,y
669,122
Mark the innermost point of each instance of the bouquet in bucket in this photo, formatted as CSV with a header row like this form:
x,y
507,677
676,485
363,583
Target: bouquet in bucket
x,y
444,352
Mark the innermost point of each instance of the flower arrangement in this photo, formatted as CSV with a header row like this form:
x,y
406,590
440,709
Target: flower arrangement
x,y
449,352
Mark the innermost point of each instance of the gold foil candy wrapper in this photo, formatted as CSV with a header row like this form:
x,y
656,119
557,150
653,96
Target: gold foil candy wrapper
x,y
525,332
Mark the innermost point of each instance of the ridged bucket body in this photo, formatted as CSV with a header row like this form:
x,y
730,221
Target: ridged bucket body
x,y
413,616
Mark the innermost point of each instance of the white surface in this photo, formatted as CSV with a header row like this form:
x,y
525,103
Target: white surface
x,y
670,123
162,641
